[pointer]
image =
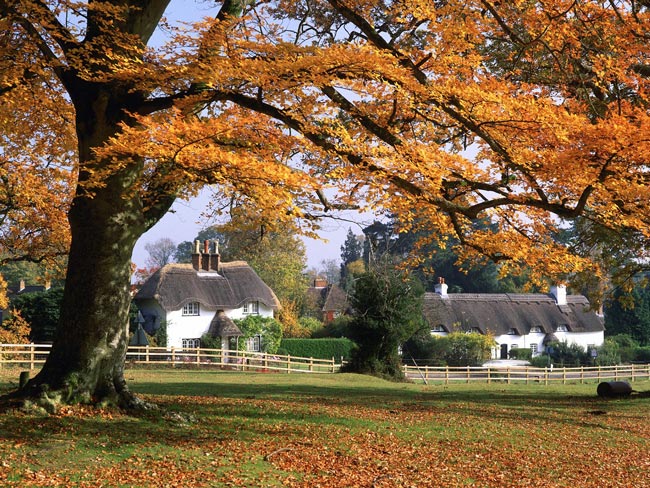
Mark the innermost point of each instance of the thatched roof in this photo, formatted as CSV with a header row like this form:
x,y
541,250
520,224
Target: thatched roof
x,y
223,326
330,298
236,283
499,313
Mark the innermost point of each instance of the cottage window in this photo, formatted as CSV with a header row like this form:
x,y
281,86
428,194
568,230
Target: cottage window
x,y
437,328
191,308
561,328
252,308
254,344
512,331
533,349
193,343
535,329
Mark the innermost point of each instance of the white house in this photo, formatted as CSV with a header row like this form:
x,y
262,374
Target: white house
x,y
516,320
203,297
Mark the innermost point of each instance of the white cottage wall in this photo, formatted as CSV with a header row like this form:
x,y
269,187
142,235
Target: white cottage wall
x,y
181,326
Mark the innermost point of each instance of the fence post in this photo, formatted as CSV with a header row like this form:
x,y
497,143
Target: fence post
x,y
31,356
288,363
446,375
311,364
616,372
146,354
632,373
546,376
333,364
582,374
198,356
468,375
426,372
173,357
526,374
489,375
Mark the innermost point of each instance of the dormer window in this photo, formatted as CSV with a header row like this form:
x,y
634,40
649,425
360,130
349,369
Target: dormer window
x,y
512,331
535,329
437,328
251,308
191,308
561,328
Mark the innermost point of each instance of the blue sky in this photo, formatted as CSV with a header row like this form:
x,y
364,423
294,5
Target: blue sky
x,y
186,220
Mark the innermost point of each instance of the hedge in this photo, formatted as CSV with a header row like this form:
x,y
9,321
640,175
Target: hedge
x,y
326,348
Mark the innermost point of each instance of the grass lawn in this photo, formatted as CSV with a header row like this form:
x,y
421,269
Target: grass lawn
x,y
266,430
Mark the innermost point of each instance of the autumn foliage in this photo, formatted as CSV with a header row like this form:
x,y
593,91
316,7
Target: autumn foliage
x,y
529,114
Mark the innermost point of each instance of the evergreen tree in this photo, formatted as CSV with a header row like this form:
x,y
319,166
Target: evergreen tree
x,y
387,311
351,251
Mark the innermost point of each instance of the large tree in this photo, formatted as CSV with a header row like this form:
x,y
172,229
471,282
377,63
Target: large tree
x,y
525,113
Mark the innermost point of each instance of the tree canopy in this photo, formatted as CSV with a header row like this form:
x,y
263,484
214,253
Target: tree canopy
x,y
528,114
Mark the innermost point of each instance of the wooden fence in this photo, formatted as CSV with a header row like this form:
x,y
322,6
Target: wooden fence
x,y
33,355
527,374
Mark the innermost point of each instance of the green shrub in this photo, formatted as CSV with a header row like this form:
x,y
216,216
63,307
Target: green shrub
x,y
521,353
462,349
627,346
642,354
318,348
609,353
541,361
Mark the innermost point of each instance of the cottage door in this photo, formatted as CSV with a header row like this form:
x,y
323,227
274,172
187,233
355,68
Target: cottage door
x,y
504,351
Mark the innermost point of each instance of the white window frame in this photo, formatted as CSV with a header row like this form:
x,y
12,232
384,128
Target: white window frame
x,y
254,344
251,308
533,349
561,328
191,309
535,329
437,328
191,343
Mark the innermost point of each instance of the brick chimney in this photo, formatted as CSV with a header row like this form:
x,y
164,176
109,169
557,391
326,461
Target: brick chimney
x,y
196,256
206,259
320,283
441,287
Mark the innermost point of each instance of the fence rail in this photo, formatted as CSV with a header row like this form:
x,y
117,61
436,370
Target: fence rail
x,y
33,355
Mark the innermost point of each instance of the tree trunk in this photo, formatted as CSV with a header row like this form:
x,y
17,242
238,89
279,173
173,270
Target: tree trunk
x,y
86,362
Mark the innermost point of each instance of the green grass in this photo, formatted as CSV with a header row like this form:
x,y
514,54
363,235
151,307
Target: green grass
x,y
264,429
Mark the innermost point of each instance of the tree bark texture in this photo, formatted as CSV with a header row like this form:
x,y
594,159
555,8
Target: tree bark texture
x,y
87,358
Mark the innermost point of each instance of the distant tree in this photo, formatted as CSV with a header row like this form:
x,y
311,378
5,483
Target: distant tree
x,y
387,306
379,238
428,259
183,252
161,252
330,270
629,313
351,251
